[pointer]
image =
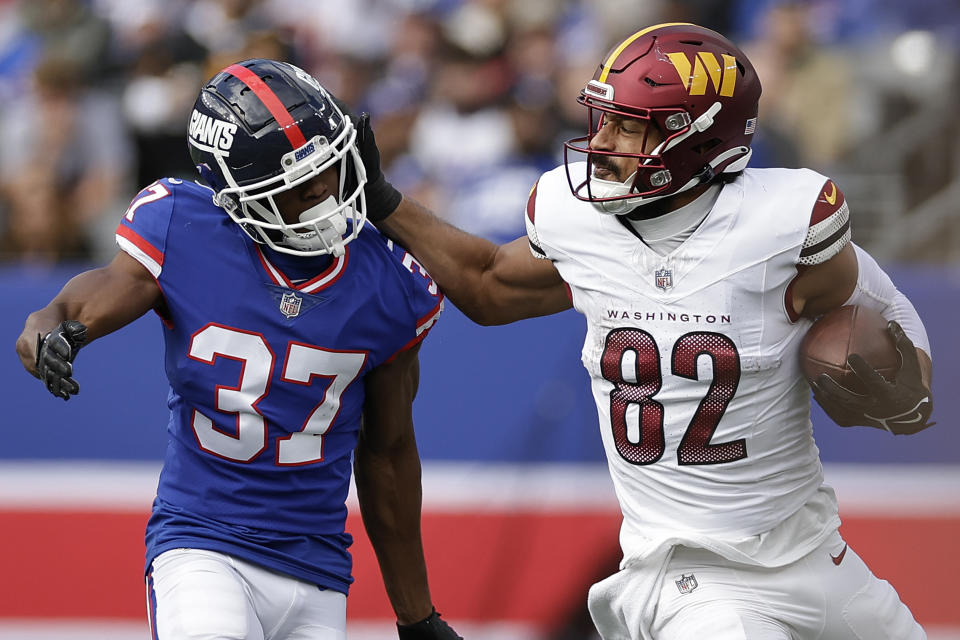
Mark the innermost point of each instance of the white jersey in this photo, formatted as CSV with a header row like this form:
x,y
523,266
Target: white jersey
x,y
694,363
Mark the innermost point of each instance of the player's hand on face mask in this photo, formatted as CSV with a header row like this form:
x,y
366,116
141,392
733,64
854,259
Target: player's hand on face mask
x,y
55,354
381,197
901,407
430,628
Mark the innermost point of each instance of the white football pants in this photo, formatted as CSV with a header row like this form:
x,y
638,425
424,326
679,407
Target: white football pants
x,y
193,594
828,595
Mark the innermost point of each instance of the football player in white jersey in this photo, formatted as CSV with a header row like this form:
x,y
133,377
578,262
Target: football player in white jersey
x,y
698,278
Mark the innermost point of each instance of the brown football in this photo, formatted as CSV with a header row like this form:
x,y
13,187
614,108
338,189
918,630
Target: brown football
x,y
844,331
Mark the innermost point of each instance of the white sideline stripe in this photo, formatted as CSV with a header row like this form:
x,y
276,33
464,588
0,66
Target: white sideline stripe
x,y
908,490
112,630
44,485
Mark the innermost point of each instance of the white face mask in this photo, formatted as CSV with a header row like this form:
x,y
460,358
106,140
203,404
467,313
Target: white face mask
x,y
324,234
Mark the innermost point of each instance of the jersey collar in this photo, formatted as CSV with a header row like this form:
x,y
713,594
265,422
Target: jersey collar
x,y
322,281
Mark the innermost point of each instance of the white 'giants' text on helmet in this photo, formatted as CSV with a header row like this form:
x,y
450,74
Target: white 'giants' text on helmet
x,y
700,92
262,127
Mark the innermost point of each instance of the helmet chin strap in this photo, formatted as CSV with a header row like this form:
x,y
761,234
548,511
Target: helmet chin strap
x,y
326,234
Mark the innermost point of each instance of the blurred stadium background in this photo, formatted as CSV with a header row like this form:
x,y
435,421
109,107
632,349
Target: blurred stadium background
x,y
470,99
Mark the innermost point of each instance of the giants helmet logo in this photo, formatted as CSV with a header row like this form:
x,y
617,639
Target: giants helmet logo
x,y
211,134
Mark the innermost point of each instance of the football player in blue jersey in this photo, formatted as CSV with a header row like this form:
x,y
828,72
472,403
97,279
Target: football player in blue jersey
x,y
291,332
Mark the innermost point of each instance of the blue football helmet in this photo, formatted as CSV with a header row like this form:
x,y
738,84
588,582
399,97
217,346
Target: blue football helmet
x,y
262,127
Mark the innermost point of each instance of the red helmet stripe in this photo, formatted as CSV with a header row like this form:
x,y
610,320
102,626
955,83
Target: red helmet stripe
x,y
271,101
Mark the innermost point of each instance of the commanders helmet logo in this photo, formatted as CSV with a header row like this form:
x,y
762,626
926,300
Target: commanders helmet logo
x,y
706,66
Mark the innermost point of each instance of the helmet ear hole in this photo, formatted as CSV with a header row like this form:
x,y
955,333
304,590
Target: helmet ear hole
x,y
706,147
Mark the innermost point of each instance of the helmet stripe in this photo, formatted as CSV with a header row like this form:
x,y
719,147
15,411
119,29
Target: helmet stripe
x,y
271,101
626,43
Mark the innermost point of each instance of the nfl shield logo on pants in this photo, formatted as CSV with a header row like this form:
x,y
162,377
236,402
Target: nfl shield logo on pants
x,y
664,278
290,304
686,584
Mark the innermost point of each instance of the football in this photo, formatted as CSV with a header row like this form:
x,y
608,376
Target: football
x,y
844,331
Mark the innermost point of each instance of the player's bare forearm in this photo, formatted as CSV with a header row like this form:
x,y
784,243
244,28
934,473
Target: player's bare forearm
x,y
490,283
387,469
388,486
103,299
826,286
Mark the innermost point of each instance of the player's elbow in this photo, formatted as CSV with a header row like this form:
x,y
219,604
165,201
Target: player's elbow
x,y
486,318
489,314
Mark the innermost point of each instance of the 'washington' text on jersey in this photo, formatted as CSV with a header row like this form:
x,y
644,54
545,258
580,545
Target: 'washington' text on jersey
x,y
669,316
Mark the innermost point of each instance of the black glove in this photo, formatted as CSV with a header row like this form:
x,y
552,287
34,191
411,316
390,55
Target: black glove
x,y
55,354
430,628
382,198
901,407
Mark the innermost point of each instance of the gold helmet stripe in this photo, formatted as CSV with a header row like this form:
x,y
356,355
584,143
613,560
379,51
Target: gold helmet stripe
x,y
626,43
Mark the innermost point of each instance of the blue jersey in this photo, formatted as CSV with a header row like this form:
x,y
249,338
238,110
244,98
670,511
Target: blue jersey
x,y
265,355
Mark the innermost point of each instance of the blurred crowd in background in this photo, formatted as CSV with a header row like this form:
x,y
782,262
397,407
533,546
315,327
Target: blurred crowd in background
x,y
470,100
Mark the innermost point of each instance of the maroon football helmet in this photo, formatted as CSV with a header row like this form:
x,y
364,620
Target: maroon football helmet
x,y
700,92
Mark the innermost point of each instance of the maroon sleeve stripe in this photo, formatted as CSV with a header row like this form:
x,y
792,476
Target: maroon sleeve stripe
x,y
272,102
823,244
532,201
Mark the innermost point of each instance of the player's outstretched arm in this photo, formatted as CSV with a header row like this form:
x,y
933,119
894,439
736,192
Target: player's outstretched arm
x,y
490,283
92,304
387,469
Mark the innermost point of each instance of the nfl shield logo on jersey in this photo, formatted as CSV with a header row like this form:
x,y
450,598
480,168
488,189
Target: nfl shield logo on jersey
x,y
664,278
686,584
290,304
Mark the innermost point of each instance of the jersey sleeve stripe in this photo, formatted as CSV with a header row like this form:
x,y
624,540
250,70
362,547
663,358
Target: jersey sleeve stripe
x,y
818,247
827,226
431,318
140,250
423,328
271,102
829,229
532,237
407,346
827,252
